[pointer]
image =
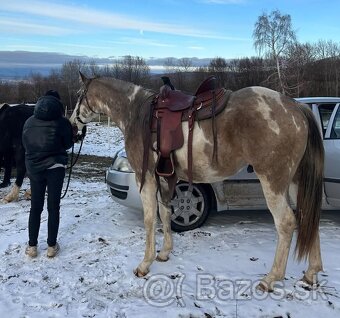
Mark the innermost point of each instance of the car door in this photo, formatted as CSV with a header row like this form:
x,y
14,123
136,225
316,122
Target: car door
x,y
332,158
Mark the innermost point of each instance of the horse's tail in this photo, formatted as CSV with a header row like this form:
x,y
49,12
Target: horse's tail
x,y
310,182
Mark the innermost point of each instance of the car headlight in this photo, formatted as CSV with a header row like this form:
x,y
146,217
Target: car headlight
x,y
122,164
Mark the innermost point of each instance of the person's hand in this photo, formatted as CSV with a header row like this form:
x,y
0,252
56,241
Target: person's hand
x,y
75,135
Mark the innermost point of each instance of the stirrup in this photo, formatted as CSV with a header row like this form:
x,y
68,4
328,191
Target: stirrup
x,y
165,166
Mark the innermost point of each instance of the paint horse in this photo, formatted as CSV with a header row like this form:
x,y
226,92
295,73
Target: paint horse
x,y
12,121
261,127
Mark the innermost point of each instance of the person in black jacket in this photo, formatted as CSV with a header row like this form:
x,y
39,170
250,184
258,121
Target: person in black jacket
x,y
46,137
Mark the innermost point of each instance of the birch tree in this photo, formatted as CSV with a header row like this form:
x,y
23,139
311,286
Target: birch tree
x,y
272,35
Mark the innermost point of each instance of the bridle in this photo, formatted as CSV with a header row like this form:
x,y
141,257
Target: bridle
x,y
80,101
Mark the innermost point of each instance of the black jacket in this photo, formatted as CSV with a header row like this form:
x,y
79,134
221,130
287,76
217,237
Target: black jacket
x,y
46,136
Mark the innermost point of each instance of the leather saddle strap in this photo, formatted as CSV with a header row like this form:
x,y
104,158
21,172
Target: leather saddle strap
x,y
191,122
214,128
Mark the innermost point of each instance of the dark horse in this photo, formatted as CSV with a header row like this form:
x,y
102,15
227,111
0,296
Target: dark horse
x,y
261,127
12,120
5,158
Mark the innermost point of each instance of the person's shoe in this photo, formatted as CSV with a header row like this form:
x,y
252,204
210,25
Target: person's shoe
x,y
31,251
53,250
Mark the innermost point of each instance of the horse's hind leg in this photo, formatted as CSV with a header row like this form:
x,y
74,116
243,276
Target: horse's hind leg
x,y
315,263
314,258
285,224
149,199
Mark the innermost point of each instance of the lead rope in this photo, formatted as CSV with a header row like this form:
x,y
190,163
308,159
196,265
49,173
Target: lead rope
x,y
72,164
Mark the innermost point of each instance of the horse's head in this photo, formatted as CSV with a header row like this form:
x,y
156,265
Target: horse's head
x,y
83,113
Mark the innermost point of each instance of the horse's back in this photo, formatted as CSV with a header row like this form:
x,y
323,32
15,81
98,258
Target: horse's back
x,y
263,109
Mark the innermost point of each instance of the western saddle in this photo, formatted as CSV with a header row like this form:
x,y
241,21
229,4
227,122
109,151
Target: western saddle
x,y
169,109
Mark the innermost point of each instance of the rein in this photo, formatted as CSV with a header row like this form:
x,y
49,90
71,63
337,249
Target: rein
x,y
83,134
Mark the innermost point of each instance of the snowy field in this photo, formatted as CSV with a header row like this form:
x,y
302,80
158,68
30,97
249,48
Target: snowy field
x,y
212,271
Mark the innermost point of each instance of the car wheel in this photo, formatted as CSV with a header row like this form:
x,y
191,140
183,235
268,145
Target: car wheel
x,y
190,207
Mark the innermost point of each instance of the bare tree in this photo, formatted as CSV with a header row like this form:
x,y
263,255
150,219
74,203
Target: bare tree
x,y
328,54
93,68
218,66
133,69
185,64
272,35
170,65
70,76
298,58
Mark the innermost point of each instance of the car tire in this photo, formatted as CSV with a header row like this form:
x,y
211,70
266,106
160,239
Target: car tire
x,y
189,209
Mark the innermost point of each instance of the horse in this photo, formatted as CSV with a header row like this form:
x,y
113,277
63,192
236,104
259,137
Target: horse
x,y
260,127
5,158
6,163
12,120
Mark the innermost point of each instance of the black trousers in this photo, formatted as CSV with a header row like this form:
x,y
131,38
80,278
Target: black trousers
x,y
52,179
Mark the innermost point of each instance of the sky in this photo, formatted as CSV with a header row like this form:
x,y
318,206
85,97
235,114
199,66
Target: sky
x,y
155,28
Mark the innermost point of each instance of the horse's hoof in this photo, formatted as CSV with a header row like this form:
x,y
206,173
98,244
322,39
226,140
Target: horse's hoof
x,y
307,281
264,287
139,273
160,259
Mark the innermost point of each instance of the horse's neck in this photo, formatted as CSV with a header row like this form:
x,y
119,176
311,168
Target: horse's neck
x,y
128,105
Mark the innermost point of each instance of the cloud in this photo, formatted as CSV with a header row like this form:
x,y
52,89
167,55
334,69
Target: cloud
x,y
15,26
142,42
100,19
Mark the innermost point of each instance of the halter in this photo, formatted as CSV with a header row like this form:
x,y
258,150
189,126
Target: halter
x,y
81,98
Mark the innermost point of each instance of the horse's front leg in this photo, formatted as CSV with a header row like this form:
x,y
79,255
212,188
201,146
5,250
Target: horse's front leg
x,y
13,195
21,171
165,214
149,200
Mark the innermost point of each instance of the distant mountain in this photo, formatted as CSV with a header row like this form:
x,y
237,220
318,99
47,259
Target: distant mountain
x,y
16,65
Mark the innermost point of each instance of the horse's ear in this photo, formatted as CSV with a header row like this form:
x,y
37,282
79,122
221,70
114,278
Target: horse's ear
x,y
83,78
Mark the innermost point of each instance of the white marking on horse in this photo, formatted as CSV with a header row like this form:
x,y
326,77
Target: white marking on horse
x,y
201,161
298,128
134,93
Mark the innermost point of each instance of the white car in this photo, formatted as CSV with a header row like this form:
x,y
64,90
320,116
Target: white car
x,y
241,191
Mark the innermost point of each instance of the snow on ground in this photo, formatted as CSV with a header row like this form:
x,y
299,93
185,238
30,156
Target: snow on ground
x,y
101,140
212,271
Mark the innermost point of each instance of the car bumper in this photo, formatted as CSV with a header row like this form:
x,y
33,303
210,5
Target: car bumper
x,y
123,188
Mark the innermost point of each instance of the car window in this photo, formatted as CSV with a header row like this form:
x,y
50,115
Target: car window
x,y
335,131
325,111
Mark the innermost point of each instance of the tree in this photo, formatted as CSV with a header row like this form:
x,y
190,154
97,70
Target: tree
x,y
272,35
299,57
170,65
328,54
69,74
185,64
133,69
218,66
